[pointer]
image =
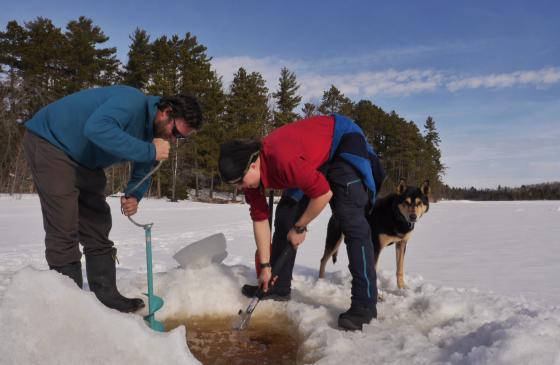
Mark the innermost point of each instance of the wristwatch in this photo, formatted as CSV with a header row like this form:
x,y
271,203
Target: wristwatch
x,y
265,264
299,230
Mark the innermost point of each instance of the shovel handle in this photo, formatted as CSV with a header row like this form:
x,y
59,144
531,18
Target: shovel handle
x,y
286,253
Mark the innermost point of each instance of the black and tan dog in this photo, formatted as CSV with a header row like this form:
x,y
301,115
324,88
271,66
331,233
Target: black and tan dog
x,y
392,221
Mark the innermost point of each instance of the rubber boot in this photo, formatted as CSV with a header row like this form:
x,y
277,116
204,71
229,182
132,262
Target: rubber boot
x,y
101,275
355,317
72,270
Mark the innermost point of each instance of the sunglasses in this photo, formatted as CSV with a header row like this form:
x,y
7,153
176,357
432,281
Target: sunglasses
x,y
179,135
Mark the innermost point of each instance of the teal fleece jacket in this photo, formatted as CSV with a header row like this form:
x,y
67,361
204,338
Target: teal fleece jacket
x,y
102,126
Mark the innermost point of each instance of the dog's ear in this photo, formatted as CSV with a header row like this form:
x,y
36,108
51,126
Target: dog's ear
x,y
425,188
402,187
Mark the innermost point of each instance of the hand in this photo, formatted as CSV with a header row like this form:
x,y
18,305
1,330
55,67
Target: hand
x,y
296,238
265,277
162,148
129,206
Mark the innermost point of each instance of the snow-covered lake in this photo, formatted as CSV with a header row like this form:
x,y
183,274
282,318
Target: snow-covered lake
x,y
482,280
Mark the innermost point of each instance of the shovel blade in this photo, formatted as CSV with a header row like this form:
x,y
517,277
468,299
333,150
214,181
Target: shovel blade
x,y
204,252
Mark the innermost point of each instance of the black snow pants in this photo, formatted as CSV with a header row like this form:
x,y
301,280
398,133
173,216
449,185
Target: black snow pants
x,y
348,205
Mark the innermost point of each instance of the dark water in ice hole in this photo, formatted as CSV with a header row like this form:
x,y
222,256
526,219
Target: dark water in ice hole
x,y
268,340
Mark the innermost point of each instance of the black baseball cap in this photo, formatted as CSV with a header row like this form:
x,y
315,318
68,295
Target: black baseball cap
x,y
235,158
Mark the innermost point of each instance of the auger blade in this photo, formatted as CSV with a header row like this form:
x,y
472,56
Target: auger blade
x,y
154,304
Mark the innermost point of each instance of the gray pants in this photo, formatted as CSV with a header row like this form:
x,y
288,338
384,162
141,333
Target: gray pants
x,y
72,201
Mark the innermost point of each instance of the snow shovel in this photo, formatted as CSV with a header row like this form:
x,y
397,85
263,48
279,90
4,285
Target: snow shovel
x,y
202,253
154,302
245,317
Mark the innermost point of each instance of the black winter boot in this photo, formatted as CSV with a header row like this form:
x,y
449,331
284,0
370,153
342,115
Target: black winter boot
x,y
355,317
101,275
72,270
274,293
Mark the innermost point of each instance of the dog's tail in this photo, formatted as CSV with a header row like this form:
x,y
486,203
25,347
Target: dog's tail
x,y
334,236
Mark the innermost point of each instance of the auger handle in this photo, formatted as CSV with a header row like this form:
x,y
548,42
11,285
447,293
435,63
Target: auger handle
x,y
127,195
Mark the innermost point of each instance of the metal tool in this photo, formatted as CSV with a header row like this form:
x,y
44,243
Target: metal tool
x,y
245,316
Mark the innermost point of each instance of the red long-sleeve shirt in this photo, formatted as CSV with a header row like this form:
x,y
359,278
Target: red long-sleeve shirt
x,y
290,158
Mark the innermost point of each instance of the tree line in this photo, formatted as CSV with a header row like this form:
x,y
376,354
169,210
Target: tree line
x,y
40,63
544,191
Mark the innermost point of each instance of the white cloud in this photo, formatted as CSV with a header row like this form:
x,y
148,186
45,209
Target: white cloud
x,y
369,84
313,84
316,77
538,78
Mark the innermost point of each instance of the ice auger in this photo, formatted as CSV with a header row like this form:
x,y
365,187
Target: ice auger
x,y
154,302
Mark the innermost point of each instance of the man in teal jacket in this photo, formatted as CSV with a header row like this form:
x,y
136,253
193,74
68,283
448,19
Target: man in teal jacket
x,y
68,144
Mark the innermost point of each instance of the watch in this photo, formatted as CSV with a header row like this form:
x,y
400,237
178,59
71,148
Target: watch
x,y
299,230
265,264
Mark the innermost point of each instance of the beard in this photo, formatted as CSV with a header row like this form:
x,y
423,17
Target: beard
x,y
160,130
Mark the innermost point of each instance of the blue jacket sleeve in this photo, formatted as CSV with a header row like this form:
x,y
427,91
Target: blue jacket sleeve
x,y
106,129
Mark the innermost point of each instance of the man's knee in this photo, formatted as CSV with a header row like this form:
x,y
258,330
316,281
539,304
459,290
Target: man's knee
x,y
355,226
287,214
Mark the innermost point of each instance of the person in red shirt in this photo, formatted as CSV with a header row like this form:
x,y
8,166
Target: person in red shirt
x,y
316,161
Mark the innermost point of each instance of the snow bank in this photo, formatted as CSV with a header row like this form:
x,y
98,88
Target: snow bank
x,y
46,319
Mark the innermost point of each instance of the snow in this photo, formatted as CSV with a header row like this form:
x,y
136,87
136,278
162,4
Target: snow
x,y
482,280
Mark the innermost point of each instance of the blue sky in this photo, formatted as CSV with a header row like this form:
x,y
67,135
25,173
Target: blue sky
x,y
488,72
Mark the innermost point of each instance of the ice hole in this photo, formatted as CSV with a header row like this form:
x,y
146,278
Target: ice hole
x,y
267,340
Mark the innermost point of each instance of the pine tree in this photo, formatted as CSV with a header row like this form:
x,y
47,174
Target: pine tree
x,y
200,155
35,57
137,69
309,110
286,98
14,174
194,66
86,64
372,120
334,101
165,79
30,58
247,105
432,139
165,75
431,136
246,113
